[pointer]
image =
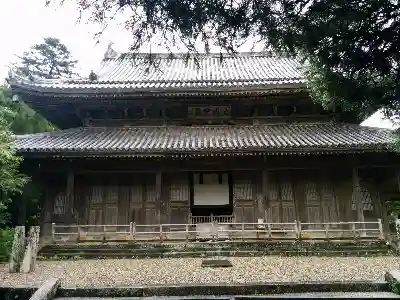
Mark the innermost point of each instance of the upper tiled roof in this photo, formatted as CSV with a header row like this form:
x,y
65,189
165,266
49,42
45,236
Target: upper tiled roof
x,y
204,73
284,138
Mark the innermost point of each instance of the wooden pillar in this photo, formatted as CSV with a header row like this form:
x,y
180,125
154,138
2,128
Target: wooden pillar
x,y
161,202
343,191
263,199
357,195
398,180
69,206
300,197
50,193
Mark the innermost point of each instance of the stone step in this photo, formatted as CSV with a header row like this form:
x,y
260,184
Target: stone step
x,y
105,247
232,249
366,248
96,255
345,295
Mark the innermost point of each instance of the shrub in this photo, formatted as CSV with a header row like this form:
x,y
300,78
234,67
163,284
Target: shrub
x,y
6,241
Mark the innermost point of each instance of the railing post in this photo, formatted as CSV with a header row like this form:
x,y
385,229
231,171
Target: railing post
x,y
257,230
78,236
212,217
161,233
299,230
53,231
216,231
242,231
380,225
133,231
353,228
269,230
296,229
187,232
327,231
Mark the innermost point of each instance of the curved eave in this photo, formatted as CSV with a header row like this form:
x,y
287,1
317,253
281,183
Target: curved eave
x,y
87,91
270,152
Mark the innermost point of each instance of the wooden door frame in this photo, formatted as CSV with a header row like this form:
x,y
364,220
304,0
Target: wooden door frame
x,y
191,187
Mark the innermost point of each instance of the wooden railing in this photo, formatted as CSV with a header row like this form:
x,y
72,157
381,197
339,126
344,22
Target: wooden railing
x,y
218,231
211,219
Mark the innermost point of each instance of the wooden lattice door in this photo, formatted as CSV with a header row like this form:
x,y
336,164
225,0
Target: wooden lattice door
x,y
243,198
281,207
313,203
330,207
179,198
95,205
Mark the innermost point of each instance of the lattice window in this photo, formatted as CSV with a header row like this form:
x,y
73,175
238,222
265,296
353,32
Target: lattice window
x,y
112,193
60,204
311,192
286,190
327,193
151,193
243,190
179,191
136,194
366,200
111,214
273,191
96,195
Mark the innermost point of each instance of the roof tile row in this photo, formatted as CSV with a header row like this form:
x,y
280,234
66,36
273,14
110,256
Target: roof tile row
x,y
181,139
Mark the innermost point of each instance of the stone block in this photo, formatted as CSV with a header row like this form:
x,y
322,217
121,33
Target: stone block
x,y
393,278
47,291
31,249
17,250
216,263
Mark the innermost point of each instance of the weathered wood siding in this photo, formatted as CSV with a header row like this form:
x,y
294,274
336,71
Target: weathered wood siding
x,y
245,196
177,185
280,196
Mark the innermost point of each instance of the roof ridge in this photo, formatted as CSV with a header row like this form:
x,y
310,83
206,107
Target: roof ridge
x,y
181,55
316,123
371,128
47,133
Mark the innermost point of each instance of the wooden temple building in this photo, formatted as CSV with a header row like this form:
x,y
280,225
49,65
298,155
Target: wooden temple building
x,y
179,141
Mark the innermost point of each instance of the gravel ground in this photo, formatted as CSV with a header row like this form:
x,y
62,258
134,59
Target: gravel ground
x,y
124,272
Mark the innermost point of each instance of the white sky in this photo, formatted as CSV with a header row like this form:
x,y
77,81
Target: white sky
x,y
24,23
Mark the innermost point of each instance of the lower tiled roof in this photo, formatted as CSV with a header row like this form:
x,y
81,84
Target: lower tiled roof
x,y
284,138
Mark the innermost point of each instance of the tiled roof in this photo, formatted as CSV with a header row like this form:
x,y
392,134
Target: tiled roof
x,y
298,138
207,73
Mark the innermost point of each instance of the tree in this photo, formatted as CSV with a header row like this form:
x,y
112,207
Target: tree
x,y
51,59
11,180
351,46
21,119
